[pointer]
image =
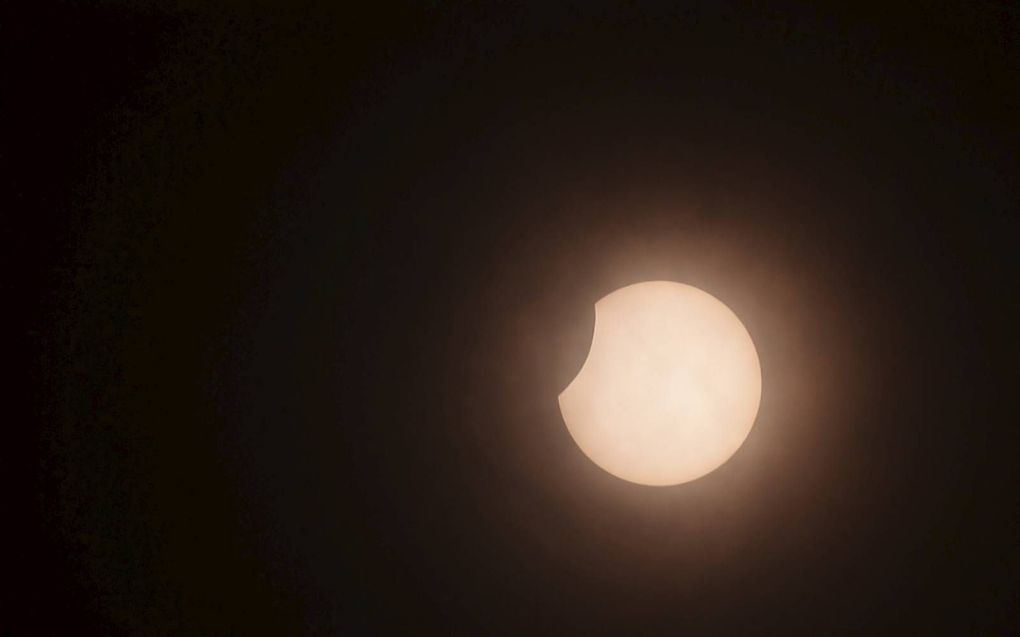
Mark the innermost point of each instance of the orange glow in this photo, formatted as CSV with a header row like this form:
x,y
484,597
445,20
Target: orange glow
x,y
671,386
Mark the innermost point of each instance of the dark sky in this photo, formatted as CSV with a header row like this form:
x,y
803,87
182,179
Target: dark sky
x,y
292,289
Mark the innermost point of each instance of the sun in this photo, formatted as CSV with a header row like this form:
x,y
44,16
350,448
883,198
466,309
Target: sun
x,y
671,386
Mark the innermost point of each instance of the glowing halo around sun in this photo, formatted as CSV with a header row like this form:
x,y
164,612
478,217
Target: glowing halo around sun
x,y
671,386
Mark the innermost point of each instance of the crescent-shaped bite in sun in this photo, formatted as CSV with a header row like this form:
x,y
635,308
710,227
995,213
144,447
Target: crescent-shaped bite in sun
x,y
670,388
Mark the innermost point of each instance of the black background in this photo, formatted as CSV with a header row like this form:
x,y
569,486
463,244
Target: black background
x,y
292,289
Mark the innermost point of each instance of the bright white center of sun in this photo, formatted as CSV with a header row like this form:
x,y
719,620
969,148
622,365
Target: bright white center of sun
x,y
671,386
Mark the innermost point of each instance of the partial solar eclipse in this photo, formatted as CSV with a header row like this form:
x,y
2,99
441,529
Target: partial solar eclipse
x,y
671,386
